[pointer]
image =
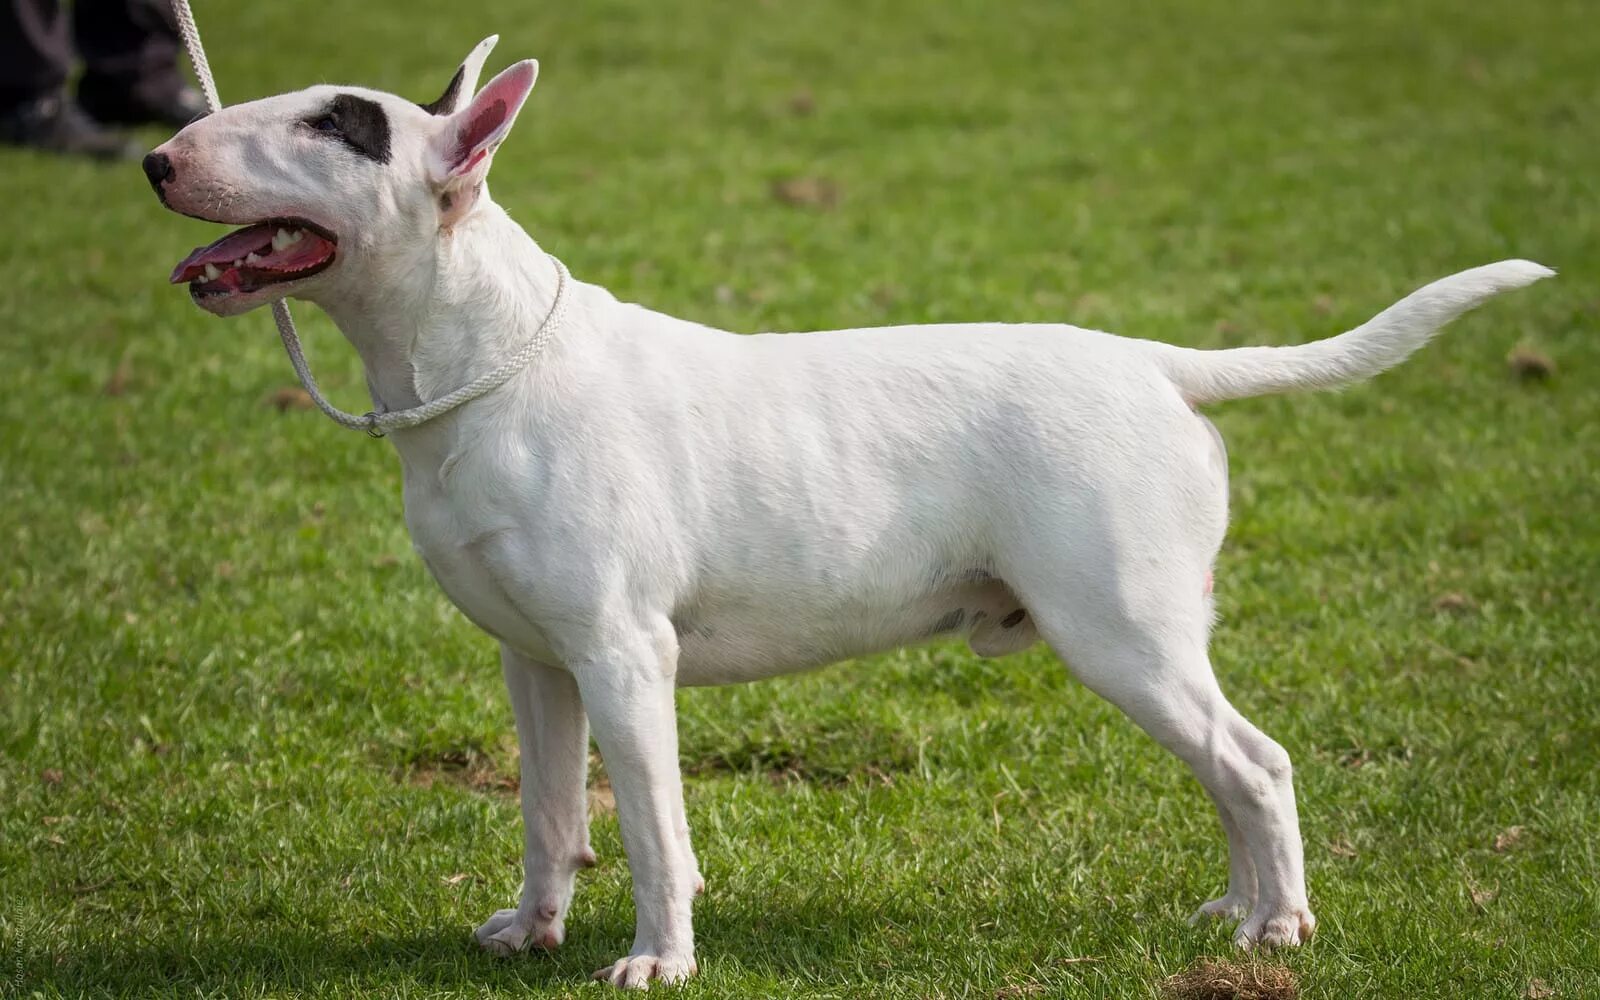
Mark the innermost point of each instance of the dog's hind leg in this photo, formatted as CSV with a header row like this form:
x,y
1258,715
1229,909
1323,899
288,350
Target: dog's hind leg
x,y
1145,652
553,736
1241,895
1170,691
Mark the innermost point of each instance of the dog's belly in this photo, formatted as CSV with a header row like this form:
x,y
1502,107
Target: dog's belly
x,y
732,642
728,642
735,640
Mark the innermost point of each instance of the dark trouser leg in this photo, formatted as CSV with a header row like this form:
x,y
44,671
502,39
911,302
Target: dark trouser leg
x,y
35,50
127,41
35,58
130,51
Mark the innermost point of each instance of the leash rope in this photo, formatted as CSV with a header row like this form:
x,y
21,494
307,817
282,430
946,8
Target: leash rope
x,y
373,422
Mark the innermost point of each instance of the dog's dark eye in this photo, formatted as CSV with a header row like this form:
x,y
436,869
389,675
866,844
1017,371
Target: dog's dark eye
x,y
324,124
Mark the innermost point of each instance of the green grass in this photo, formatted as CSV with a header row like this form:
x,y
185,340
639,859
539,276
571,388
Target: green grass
x,y
245,744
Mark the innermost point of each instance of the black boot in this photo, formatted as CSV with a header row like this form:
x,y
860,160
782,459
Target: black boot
x,y
55,124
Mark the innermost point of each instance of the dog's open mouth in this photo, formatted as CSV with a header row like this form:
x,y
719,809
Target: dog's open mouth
x,y
250,259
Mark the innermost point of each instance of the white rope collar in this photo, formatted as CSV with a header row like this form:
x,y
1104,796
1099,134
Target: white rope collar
x,y
374,422
380,422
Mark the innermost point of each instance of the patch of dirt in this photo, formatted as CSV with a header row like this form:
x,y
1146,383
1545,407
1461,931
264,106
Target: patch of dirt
x,y
807,192
1216,979
1454,602
602,801
290,397
1508,838
783,764
117,382
1529,364
469,767
1356,756
1481,897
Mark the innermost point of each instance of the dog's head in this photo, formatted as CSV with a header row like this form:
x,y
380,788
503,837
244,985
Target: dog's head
x,y
336,187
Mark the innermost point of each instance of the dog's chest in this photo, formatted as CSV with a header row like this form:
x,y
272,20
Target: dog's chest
x,y
463,546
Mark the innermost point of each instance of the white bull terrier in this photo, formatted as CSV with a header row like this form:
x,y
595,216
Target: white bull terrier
x,y
653,503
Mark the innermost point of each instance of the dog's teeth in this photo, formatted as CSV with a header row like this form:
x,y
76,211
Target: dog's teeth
x,y
251,258
280,239
212,274
297,236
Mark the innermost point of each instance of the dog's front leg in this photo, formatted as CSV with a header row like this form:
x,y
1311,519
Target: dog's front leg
x,y
554,738
629,699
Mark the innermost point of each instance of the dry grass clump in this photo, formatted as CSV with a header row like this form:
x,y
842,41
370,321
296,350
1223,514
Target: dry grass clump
x,y
1215,979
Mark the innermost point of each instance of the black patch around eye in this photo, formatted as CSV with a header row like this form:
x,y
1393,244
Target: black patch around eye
x,y
447,100
363,125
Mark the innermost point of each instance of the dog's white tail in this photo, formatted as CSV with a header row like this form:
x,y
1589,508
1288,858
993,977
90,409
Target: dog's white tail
x,y
1376,345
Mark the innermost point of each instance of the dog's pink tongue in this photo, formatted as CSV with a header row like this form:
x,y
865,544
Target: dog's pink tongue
x,y
232,253
224,252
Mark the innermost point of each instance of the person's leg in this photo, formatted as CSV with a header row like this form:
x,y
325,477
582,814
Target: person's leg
x,y
35,50
35,59
130,54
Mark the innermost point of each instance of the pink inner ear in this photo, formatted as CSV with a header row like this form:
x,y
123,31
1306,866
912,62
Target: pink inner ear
x,y
478,130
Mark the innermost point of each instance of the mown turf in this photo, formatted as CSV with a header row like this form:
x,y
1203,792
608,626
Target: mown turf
x,y
246,748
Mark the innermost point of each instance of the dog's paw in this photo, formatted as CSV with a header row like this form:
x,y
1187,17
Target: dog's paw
x,y
1282,928
636,972
511,931
1230,907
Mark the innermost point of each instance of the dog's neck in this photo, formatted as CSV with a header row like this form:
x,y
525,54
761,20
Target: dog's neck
x,y
434,323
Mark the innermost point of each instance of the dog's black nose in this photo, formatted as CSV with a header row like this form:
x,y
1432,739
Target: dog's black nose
x,y
158,167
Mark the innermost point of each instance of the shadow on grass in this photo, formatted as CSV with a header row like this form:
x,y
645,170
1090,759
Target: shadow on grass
x,y
444,958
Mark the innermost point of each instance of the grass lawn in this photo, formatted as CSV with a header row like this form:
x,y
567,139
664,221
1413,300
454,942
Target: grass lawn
x,y
247,748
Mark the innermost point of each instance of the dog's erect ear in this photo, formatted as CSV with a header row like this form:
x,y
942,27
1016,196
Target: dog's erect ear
x,y
465,81
466,141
